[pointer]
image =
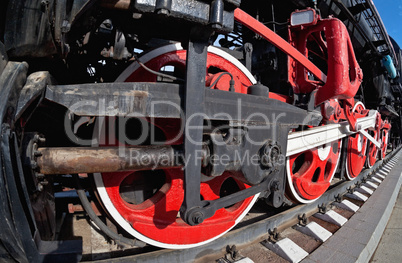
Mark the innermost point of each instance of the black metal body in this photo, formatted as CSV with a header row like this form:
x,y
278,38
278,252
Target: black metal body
x,y
216,101
218,106
20,238
217,13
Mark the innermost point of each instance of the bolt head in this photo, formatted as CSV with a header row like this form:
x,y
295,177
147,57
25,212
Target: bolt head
x,y
198,218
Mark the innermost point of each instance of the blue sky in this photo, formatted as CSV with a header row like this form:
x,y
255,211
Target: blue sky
x,y
391,14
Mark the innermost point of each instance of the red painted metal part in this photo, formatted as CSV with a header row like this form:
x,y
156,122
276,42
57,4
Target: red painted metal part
x,y
373,150
157,217
356,157
344,74
259,28
356,149
311,173
352,116
385,128
280,97
333,112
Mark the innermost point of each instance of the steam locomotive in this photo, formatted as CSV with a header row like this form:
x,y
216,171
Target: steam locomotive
x,y
173,117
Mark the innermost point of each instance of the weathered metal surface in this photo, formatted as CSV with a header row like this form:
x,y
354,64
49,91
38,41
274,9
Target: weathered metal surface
x,y
118,99
106,159
28,31
11,82
202,12
162,100
116,4
194,103
3,57
33,89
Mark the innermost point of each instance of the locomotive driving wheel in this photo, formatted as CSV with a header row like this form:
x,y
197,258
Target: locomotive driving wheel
x,y
146,204
356,150
384,142
309,173
372,150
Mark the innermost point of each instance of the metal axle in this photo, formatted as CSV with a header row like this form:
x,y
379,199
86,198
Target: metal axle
x,y
72,160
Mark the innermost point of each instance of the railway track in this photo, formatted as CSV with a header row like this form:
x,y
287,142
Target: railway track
x,y
259,226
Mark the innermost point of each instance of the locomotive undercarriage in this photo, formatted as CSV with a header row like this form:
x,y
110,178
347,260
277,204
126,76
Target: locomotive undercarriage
x,y
177,143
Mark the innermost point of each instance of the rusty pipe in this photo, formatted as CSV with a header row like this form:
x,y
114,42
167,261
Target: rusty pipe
x,y
116,4
73,160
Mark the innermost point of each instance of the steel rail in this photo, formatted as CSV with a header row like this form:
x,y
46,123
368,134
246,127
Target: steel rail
x,y
256,231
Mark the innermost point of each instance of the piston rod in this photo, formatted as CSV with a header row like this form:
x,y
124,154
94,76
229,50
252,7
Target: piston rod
x,y
73,160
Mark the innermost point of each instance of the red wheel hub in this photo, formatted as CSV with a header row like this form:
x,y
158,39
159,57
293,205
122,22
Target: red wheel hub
x,y
147,203
310,172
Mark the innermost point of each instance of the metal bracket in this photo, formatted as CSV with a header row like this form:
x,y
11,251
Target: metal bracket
x,y
338,198
322,208
273,235
302,219
196,61
248,52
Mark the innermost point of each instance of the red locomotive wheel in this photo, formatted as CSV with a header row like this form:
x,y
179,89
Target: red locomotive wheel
x,y
384,142
146,203
372,151
356,150
310,173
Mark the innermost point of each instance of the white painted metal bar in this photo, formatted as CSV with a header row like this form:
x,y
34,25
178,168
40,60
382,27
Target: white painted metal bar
x,y
371,138
317,136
